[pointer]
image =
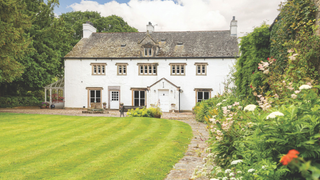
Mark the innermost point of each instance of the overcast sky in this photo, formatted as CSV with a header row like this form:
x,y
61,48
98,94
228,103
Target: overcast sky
x,y
182,15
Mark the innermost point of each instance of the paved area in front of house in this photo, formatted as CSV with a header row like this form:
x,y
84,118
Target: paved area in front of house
x,y
183,169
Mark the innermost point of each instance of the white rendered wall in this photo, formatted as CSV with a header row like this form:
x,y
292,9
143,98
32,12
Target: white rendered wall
x,y
78,76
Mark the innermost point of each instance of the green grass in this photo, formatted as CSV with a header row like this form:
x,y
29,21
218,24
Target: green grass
x,y
72,147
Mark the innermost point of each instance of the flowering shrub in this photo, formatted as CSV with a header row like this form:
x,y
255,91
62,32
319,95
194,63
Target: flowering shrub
x,y
145,112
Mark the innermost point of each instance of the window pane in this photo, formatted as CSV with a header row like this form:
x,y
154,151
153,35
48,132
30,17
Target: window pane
x,y
203,69
146,69
150,69
141,102
124,70
136,94
182,69
94,69
178,69
136,102
150,51
141,69
99,70
141,94
206,95
102,69
98,93
145,51
173,69
199,69
154,69
200,96
92,94
120,69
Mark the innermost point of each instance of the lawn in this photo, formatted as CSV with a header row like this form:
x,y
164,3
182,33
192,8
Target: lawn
x,y
73,147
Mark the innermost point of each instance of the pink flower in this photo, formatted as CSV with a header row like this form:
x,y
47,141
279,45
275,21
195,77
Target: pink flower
x,y
297,91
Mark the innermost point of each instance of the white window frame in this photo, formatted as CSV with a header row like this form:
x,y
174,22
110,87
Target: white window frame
x,y
98,68
177,68
201,69
147,69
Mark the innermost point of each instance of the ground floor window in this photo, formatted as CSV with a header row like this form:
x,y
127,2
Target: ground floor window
x,y
202,94
139,98
95,96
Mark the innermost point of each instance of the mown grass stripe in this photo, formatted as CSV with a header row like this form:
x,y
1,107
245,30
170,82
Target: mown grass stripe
x,y
81,156
82,149
29,155
18,126
163,150
98,151
108,163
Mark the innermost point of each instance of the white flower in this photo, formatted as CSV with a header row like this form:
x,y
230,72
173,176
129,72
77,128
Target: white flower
x,y
224,178
293,96
251,170
214,179
239,172
290,51
266,71
224,108
263,167
224,100
227,171
293,57
229,107
219,104
275,114
239,107
250,107
233,178
236,104
231,174
305,87
236,161
254,173
297,92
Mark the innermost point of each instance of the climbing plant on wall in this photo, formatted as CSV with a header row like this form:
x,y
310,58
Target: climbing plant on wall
x,y
254,47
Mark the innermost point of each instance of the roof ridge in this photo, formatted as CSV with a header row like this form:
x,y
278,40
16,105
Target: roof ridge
x,y
161,32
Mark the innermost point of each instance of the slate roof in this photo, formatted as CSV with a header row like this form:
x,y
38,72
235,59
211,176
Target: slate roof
x,y
172,44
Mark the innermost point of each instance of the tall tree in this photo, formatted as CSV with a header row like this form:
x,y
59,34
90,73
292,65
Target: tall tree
x,y
51,40
13,39
113,23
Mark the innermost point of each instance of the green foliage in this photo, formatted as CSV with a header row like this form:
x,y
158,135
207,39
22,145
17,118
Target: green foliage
x,y
76,19
15,101
254,47
294,17
14,40
145,112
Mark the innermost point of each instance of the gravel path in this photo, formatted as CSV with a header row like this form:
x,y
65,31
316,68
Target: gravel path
x,y
183,169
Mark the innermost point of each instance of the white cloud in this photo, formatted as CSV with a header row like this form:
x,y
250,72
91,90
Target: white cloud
x,y
188,15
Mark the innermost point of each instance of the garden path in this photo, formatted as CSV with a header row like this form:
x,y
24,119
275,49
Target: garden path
x,y
183,169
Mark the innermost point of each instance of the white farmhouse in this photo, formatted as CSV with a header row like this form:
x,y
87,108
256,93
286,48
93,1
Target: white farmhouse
x,y
173,70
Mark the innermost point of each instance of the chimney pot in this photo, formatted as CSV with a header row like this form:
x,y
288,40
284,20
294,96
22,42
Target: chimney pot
x,y
233,27
150,28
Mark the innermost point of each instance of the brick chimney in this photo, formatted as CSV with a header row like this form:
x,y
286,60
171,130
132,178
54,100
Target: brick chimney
x,y
150,28
233,27
88,29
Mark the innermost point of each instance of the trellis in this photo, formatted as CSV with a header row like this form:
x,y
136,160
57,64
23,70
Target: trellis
x,y
59,85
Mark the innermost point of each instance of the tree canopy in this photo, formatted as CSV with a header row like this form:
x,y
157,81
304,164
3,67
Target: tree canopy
x,y
75,20
13,40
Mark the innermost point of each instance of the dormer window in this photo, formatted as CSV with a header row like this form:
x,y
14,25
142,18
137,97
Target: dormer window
x,y
147,52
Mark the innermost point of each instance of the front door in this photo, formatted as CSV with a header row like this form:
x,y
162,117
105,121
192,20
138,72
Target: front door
x,y
114,99
164,100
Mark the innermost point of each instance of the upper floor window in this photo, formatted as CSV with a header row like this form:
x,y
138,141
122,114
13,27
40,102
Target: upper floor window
x,y
98,68
177,69
147,69
201,69
148,52
121,68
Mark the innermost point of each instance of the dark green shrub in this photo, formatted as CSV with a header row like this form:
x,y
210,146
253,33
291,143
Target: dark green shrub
x,y
14,101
